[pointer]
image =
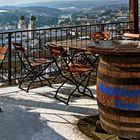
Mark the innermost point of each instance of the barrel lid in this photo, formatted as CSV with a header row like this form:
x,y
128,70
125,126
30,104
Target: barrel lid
x,y
115,47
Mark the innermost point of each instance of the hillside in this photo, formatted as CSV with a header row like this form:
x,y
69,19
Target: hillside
x,y
44,15
77,3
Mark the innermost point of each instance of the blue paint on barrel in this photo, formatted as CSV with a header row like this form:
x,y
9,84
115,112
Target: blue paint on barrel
x,y
127,106
122,92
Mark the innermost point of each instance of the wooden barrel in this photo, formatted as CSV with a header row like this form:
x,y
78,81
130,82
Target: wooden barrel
x,y
118,95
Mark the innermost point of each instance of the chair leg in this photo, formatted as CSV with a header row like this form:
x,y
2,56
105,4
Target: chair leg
x,y
77,84
36,76
61,87
77,87
55,77
67,79
23,80
39,75
39,80
85,86
47,81
88,78
31,83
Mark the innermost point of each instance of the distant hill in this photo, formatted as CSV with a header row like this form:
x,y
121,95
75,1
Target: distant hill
x,y
48,13
40,9
77,3
44,15
107,12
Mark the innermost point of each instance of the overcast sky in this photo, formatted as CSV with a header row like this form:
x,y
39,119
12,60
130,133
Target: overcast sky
x,y
13,2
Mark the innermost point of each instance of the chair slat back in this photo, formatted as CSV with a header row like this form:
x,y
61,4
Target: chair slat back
x,y
55,53
66,57
100,35
19,47
2,57
55,50
96,35
106,35
59,55
3,52
21,52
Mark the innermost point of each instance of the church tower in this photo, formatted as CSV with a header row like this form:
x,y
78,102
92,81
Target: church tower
x,y
32,26
21,23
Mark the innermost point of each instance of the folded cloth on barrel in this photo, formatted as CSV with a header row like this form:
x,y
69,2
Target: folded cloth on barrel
x,y
131,36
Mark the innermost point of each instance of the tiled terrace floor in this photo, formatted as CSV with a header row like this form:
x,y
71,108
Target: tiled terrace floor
x,y
32,116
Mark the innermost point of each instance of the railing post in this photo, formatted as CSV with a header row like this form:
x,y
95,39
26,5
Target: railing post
x,y
102,27
134,15
9,58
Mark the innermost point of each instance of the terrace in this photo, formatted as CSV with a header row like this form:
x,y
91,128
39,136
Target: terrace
x,y
39,106
37,114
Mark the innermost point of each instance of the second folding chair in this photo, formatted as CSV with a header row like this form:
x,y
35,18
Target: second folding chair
x,y
3,52
33,68
74,72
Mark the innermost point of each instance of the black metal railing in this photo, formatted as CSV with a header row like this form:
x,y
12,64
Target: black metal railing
x,y
34,41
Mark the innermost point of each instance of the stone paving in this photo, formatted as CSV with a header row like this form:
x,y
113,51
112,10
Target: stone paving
x,y
37,115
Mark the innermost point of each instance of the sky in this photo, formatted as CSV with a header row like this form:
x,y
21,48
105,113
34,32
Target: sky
x,y
13,2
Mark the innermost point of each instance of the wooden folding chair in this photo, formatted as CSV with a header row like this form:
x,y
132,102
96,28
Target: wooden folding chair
x,y
96,36
89,57
34,68
71,71
3,52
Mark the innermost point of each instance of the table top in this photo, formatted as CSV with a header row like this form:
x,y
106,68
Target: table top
x,y
69,47
115,47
